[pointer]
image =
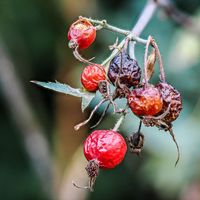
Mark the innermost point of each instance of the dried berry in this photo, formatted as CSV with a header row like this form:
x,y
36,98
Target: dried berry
x,y
81,33
91,76
145,101
124,70
107,147
136,142
171,101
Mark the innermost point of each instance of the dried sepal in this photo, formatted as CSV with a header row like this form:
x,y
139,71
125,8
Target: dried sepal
x,y
150,64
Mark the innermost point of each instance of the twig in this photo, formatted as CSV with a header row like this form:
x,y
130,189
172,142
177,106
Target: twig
x,y
102,116
144,19
179,16
104,25
119,122
78,126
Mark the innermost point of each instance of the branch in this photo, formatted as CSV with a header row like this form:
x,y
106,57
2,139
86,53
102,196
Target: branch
x,y
103,24
144,19
179,16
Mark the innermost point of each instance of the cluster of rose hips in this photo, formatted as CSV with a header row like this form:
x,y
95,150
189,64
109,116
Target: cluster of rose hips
x,y
155,105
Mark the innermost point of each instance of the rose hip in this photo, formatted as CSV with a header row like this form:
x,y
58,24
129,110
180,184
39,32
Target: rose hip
x,y
91,76
107,147
125,70
145,101
81,33
171,97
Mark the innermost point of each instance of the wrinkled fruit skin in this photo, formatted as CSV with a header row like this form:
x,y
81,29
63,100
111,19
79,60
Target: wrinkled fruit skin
x,y
125,69
91,76
108,147
170,95
145,101
82,34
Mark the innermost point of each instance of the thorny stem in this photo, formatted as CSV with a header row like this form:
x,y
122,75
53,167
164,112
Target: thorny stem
x,y
143,20
105,25
174,139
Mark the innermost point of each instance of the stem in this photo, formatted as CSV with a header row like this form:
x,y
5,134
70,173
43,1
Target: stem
x,y
145,17
78,126
145,60
140,126
162,72
105,25
119,122
177,147
142,22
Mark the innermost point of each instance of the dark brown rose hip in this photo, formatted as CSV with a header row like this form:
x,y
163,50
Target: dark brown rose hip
x,y
171,100
125,70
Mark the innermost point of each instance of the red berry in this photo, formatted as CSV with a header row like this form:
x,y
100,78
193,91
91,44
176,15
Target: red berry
x,y
91,76
107,147
145,101
81,33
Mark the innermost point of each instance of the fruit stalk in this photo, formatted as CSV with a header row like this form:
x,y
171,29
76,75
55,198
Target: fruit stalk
x,y
103,24
119,122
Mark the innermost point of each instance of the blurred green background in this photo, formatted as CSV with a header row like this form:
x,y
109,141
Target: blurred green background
x,y
40,153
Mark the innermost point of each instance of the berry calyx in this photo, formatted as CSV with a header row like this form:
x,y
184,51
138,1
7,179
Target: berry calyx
x,y
81,34
145,101
171,101
106,147
124,70
91,76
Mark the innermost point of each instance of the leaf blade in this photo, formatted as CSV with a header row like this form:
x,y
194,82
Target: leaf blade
x,y
60,87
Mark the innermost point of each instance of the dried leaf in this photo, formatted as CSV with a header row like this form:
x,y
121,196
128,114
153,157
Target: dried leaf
x,y
150,64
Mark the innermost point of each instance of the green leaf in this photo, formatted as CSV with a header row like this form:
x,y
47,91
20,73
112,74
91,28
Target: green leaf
x,y
66,89
60,87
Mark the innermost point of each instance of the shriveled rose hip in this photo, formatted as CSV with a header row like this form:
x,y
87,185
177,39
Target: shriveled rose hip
x,y
171,97
81,33
145,101
125,70
91,76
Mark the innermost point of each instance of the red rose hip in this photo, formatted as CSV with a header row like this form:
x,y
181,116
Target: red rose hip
x,y
145,101
91,76
81,33
106,147
103,149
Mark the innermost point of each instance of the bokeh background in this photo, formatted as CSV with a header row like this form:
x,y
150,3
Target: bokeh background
x,y
40,153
